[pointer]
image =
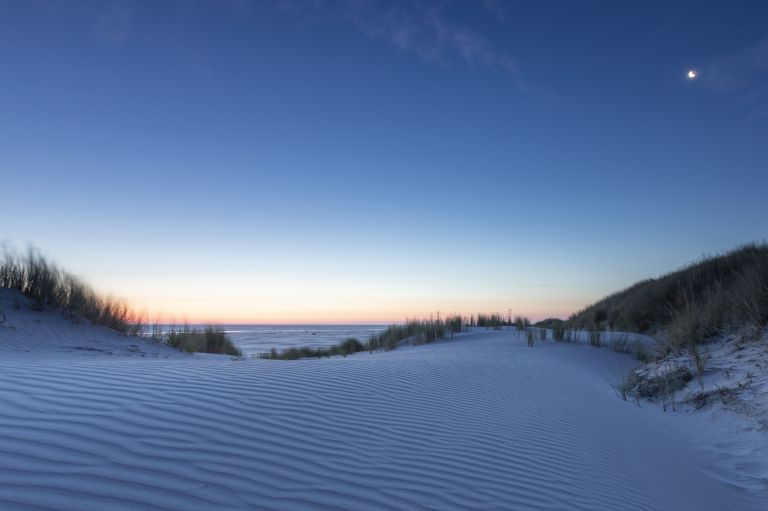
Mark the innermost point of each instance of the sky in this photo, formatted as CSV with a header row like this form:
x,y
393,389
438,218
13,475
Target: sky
x,y
365,161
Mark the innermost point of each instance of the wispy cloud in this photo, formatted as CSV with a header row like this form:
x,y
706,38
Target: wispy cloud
x,y
418,27
744,73
429,29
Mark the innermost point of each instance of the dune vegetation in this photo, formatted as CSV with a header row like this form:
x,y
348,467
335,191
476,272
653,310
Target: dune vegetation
x,y
346,347
207,340
413,332
48,287
717,293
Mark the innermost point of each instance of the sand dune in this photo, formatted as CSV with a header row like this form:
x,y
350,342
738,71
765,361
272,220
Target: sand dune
x,y
480,422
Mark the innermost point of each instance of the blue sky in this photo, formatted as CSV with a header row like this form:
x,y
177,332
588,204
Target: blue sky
x,y
364,161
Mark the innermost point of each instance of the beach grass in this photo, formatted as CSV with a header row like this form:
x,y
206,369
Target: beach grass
x,y
206,340
412,332
721,292
346,347
50,288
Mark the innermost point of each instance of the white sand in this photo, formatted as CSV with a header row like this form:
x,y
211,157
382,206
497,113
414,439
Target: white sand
x,y
480,422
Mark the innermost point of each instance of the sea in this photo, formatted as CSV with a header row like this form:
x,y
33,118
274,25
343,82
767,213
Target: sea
x,y
256,339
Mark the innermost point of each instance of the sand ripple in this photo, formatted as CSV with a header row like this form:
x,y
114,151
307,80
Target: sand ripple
x,y
481,422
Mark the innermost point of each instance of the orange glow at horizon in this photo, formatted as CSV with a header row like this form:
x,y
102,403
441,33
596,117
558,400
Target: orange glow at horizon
x,y
336,310
253,296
